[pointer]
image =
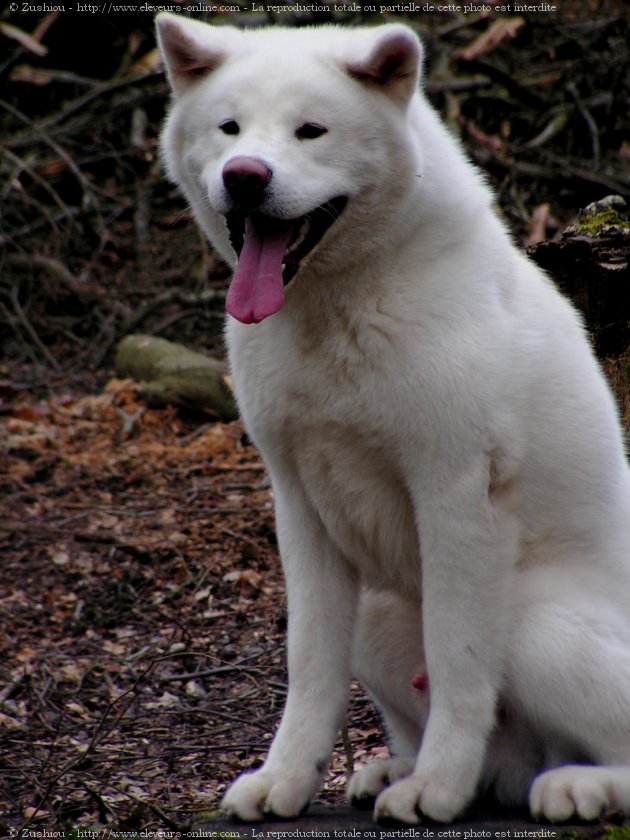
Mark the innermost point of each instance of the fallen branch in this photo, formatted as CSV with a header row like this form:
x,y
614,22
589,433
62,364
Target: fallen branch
x,y
176,375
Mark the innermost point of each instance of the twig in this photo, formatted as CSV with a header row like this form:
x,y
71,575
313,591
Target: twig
x,y
53,266
67,159
79,103
553,127
474,83
138,139
590,122
26,230
10,319
256,466
235,535
75,763
151,806
26,324
67,77
237,719
212,672
23,165
618,184
227,748
103,807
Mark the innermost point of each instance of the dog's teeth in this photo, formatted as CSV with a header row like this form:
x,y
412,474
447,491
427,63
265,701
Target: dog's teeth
x,y
300,237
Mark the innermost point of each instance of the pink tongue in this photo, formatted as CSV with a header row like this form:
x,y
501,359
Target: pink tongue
x,y
257,288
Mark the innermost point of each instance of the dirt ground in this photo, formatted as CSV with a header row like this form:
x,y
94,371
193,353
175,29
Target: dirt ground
x,y
142,614
142,619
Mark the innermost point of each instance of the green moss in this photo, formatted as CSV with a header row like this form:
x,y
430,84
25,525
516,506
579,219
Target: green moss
x,y
603,832
591,224
615,832
618,832
609,212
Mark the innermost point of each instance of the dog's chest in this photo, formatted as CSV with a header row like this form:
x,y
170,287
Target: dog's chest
x,y
323,421
360,497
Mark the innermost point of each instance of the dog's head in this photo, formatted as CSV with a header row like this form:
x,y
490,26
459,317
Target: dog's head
x,y
279,136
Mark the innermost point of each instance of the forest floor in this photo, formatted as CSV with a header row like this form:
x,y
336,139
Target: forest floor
x,y
144,630
142,615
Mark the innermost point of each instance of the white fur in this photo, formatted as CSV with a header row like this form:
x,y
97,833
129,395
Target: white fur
x,y
447,464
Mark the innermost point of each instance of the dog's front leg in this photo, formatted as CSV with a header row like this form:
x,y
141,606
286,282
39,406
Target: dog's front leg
x,y
468,538
322,597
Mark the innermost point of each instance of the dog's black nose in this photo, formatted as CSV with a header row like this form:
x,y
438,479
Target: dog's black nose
x,y
245,179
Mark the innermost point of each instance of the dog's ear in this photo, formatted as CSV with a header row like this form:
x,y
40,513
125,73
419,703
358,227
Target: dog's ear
x,y
391,60
190,49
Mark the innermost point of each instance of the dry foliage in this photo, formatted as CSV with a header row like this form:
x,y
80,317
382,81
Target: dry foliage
x,y
142,613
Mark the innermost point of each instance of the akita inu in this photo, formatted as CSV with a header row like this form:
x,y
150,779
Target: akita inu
x,y
451,492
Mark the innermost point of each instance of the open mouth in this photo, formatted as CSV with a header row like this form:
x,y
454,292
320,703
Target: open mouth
x,y
270,252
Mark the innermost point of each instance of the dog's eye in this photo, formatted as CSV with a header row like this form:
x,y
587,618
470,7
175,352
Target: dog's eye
x,y
310,131
229,127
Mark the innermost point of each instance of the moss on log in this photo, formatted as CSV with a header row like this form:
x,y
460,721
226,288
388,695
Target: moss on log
x,y
173,374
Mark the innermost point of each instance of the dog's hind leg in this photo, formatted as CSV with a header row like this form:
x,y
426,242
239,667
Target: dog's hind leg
x,y
387,655
569,677
579,790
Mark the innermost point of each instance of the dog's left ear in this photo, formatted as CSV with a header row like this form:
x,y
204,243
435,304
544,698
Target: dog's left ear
x,y
391,61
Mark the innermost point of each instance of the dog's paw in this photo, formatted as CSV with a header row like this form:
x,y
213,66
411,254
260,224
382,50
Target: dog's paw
x,y
254,796
408,800
368,781
578,791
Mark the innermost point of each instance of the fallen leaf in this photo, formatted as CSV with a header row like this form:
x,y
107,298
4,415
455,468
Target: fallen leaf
x,y
61,558
195,689
30,413
147,63
31,813
244,579
166,701
7,722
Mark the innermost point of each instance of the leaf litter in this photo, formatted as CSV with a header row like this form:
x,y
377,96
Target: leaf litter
x,y
142,614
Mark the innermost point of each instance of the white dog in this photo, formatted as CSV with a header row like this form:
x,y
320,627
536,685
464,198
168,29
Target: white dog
x,y
451,491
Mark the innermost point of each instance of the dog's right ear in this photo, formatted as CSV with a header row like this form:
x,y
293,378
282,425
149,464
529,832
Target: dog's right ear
x,y
190,49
